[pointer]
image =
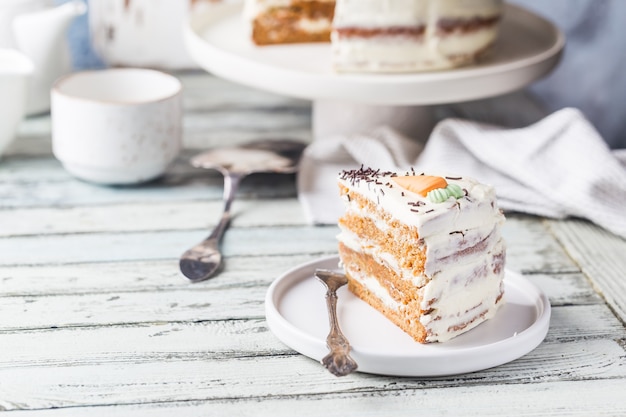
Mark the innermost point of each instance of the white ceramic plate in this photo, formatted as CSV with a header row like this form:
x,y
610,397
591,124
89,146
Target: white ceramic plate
x,y
218,40
295,309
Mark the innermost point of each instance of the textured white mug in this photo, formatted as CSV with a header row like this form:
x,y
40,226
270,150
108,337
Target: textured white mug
x,y
117,126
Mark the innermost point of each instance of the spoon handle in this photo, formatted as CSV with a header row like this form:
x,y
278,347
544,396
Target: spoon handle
x,y
338,361
203,260
231,184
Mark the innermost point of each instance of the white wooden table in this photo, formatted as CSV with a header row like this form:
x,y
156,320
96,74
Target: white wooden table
x,y
96,319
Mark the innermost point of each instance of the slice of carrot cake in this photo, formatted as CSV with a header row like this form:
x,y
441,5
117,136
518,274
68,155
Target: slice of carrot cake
x,y
426,251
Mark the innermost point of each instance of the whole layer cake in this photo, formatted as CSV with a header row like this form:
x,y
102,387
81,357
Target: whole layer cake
x,y
412,35
381,35
289,21
426,251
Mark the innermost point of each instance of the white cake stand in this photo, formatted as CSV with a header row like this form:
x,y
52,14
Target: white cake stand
x,y
528,48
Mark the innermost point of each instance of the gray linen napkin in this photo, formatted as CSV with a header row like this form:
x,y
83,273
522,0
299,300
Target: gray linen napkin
x,y
557,167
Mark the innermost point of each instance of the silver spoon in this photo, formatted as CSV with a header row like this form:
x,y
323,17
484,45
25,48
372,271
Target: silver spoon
x,y
268,156
338,361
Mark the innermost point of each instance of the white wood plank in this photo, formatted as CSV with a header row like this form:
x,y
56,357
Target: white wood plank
x,y
205,132
584,322
31,169
572,398
25,170
190,304
566,289
164,338
149,217
200,139
142,343
137,276
261,377
601,256
531,248
122,247
249,120
171,187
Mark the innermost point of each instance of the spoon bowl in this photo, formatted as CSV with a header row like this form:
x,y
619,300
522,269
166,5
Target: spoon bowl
x,y
203,260
267,156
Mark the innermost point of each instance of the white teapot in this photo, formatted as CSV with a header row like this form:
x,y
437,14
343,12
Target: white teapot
x,y
37,28
15,71
142,33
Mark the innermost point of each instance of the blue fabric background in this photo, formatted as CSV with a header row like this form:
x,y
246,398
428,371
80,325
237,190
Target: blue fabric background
x,y
592,73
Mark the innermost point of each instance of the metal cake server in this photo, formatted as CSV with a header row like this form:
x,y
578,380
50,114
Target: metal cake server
x,y
338,361
235,163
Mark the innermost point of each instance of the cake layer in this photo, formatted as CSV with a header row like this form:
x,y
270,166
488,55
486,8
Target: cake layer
x,y
379,230
412,260
458,273
280,21
396,290
447,306
369,290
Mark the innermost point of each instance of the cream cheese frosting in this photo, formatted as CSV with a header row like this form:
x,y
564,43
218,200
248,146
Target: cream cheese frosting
x,y
477,206
385,13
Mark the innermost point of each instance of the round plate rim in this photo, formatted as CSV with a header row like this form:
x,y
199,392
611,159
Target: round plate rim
x,y
477,358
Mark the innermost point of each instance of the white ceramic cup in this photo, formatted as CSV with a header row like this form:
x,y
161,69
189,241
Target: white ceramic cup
x,y
15,71
117,126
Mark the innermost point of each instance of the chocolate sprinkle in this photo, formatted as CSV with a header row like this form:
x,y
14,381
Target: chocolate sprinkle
x,y
364,174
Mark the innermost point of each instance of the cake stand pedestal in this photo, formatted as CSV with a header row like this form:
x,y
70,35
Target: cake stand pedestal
x,y
528,48
331,118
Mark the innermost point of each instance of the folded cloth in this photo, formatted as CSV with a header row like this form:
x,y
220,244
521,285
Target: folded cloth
x,y
557,167
325,158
